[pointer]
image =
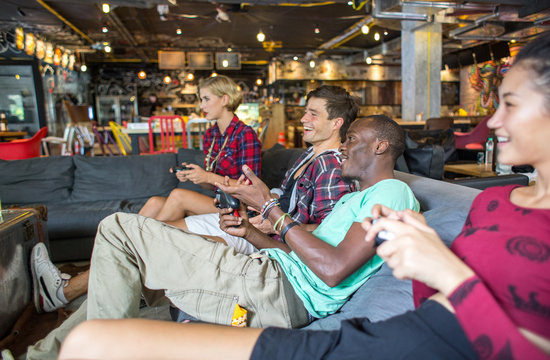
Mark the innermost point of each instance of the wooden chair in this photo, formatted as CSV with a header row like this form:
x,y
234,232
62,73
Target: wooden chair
x,y
440,123
122,139
167,125
23,148
79,129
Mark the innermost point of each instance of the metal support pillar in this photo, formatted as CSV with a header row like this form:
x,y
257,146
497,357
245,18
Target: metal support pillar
x,y
420,70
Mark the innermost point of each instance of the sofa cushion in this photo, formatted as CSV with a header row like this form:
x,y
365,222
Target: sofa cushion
x,y
122,177
381,297
37,180
276,161
80,219
444,205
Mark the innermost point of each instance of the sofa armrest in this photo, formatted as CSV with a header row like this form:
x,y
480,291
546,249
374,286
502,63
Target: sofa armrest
x,y
485,182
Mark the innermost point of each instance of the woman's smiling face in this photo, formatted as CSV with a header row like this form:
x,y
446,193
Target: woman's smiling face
x,y
522,120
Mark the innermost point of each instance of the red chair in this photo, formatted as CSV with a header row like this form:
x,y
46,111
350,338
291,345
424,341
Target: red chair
x,y
167,125
23,148
475,139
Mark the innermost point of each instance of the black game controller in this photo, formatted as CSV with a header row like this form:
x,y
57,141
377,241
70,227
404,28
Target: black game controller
x,y
175,169
224,201
382,236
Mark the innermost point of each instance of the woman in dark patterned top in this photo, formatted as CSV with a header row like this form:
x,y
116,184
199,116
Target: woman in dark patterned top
x,y
486,297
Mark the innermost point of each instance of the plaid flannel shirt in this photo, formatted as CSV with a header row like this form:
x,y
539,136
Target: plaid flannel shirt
x,y
243,147
318,188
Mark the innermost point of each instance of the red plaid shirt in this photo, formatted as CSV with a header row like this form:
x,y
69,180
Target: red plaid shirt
x,y
318,188
243,147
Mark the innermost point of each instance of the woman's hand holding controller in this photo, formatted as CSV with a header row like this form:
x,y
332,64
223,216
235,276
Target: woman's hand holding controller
x,y
416,251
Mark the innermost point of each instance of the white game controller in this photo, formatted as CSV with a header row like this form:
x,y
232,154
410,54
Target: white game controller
x,y
382,236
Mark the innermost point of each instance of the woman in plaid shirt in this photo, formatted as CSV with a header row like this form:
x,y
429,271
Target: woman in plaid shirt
x,y
228,145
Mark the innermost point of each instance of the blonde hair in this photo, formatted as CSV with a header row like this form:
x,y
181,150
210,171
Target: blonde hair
x,y
222,85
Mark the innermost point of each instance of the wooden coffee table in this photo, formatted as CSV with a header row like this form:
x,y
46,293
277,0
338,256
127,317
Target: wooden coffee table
x,y
470,169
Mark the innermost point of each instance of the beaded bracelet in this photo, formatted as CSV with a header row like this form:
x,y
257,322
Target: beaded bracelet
x,y
288,227
268,206
280,222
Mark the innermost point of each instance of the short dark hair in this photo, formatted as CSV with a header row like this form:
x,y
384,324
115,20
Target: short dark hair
x,y
535,57
388,130
340,103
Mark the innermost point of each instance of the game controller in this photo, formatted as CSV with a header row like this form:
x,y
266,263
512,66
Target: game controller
x,y
224,201
382,236
175,169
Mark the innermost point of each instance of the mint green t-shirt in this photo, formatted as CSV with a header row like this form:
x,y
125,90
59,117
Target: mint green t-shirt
x,y
320,299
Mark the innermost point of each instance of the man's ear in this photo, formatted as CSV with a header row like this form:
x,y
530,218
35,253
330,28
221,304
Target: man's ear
x,y
382,146
338,122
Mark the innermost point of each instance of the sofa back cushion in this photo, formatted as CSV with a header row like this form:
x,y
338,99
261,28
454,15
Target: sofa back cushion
x,y
122,177
37,180
275,163
444,205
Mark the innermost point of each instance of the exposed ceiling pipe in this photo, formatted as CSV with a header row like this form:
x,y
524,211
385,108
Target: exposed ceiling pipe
x,y
377,13
56,14
454,33
450,5
347,35
126,34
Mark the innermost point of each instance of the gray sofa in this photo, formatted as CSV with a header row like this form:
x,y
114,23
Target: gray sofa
x,y
80,191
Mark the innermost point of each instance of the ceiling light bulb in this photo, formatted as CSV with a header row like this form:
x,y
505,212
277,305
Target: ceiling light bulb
x,y
513,41
107,49
350,3
190,76
368,60
225,63
259,82
365,29
104,29
142,75
83,68
377,36
178,31
229,49
214,74
17,76
317,31
260,36
312,63
385,33
167,79
295,58
106,8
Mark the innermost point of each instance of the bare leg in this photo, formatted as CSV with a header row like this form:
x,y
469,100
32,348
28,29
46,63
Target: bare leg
x,y
77,286
153,206
182,202
149,339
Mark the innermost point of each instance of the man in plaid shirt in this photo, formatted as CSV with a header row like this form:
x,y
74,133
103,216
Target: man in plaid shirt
x,y
314,184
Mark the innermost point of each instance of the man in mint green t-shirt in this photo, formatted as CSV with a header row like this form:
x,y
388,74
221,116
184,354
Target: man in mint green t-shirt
x,y
325,267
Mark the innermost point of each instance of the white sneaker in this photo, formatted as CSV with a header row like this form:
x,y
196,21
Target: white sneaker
x,y
47,280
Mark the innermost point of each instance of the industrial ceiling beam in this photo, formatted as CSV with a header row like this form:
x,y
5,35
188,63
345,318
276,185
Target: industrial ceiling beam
x,y
347,35
67,22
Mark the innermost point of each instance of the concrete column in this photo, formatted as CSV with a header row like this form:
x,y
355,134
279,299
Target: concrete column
x,y
420,69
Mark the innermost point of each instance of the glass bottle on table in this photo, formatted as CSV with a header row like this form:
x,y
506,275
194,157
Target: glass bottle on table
x,y
489,152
